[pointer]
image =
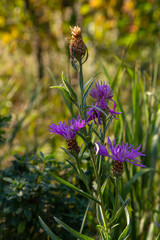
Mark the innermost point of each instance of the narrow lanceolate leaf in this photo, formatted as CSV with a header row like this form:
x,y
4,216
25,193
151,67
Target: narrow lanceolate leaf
x,y
126,232
47,230
72,231
74,188
73,165
64,91
124,235
90,80
99,214
71,91
120,210
158,237
66,151
87,92
97,108
84,218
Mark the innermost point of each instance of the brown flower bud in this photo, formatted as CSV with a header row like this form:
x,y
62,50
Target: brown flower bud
x,y
117,169
77,47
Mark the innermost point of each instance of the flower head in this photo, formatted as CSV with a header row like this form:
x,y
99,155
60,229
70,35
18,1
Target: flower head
x,y
77,47
122,152
102,91
94,113
68,131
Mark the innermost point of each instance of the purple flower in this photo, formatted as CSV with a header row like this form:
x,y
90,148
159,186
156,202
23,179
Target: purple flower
x,y
122,152
94,113
68,131
102,91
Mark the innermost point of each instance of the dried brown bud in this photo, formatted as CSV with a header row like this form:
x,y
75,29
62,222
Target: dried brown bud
x,y
117,169
77,47
73,146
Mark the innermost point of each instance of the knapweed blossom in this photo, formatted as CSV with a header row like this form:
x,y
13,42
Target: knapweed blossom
x,y
68,131
102,91
103,94
121,153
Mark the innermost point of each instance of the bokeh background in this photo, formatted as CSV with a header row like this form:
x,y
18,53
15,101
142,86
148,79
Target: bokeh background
x,y
122,37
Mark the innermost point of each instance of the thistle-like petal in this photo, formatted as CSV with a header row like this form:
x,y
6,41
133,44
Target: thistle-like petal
x,y
122,153
102,91
67,130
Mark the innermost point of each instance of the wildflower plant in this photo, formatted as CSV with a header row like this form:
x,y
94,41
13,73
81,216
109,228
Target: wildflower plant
x,y
93,122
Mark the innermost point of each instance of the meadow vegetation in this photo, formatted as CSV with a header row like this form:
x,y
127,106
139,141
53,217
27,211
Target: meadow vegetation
x,y
122,38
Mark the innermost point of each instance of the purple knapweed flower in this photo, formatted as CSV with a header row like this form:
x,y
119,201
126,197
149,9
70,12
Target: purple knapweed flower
x,y
103,94
122,152
67,130
102,91
94,113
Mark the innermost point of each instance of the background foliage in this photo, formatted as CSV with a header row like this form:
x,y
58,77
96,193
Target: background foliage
x,y
123,42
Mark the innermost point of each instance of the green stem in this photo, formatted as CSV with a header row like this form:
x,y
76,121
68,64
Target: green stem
x,y
81,82
104,130
99,189
83,179
116,196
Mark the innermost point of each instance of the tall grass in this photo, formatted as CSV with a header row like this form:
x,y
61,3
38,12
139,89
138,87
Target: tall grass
x,y
140,123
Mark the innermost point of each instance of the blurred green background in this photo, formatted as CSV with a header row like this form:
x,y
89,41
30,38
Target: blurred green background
x,y
122,37
34,36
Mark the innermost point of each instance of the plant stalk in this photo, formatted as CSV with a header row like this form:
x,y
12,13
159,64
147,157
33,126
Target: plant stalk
x,y
99,189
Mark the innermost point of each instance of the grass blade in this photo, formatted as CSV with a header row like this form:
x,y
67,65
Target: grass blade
x,y
74,188
72,231
47,230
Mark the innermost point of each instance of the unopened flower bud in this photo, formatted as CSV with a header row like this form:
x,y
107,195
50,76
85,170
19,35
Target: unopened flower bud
x,y
77,47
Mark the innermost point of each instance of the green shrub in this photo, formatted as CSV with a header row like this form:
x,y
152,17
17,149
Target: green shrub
x,y
27,192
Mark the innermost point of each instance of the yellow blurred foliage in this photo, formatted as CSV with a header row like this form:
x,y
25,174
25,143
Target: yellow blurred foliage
x,y
2,21
96,3
8,37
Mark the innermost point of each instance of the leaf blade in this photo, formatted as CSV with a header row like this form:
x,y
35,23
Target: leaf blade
x,y
47,230
72,231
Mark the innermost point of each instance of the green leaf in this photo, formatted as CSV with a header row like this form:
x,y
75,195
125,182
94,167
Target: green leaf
x,y
7,179
87,92
73,165
90,80
158,237
66,151
99,214
64,91
47,230
21,227
74,188
72,93
97,108
72,231
68,104
124,235
120,211
84,217
85,178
